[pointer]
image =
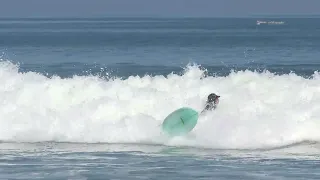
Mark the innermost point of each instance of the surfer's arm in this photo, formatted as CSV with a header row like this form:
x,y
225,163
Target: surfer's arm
x,y
209,107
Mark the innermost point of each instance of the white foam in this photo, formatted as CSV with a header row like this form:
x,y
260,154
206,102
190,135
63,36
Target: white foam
x,y
256,109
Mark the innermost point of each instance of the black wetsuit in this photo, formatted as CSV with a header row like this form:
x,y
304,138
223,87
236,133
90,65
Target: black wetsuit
x,y
210,106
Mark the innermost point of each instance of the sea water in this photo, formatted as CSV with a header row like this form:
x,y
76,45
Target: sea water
x,y
85,98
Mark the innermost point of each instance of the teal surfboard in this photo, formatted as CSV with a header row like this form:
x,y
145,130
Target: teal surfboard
x,y
180,121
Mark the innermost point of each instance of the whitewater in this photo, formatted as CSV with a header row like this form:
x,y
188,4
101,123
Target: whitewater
x,y
256,110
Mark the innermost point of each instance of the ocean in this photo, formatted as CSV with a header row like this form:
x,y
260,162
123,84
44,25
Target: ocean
x,y
84,98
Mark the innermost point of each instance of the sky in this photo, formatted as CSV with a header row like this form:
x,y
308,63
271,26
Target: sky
x,y
155,8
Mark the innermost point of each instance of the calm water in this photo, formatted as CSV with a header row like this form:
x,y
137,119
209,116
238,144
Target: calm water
x,y
85,98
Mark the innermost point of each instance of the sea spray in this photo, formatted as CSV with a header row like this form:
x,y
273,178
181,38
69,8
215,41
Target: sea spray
x,y
256,110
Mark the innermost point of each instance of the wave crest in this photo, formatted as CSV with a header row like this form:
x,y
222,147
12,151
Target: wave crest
x,y
256,109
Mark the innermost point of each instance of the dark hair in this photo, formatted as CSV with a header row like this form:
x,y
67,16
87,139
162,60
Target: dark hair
x,y
212,97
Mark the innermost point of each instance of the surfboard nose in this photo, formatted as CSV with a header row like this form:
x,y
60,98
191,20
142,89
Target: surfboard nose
x,y
180,121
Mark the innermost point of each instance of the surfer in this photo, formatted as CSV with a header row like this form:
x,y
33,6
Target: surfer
x,y
212,102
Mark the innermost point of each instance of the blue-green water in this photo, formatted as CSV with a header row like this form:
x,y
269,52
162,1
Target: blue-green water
x,y
85,98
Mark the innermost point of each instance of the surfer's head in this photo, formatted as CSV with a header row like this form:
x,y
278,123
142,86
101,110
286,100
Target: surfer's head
x,y
213,98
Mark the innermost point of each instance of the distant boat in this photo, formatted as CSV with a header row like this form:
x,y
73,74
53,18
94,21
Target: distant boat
x,y
270,22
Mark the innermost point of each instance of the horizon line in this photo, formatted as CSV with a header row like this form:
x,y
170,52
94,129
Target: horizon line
x,y
163,16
